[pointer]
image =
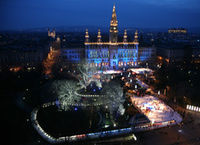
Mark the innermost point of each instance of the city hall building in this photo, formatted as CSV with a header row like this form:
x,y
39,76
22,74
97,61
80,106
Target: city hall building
x,y
112,54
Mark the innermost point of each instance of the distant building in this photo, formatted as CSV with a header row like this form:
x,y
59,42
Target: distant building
x,y
178,35
52,34
172,54
72,55
179,52
25,50
25,57
179,46
177,31
147,54
106,55
114,54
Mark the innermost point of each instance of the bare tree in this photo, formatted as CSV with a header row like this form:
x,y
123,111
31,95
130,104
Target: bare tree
x,y
87,73
114,96
65,90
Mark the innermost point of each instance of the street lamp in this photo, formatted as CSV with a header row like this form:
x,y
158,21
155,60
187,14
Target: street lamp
x,y
158,92
135,86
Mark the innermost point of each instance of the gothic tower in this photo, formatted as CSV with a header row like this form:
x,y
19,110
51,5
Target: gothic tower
x,y
125,36
86,36
113,27
99,36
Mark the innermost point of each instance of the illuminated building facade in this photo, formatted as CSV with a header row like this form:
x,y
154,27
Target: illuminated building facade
x,y
178,30
52,34
146,54
24,57
112,54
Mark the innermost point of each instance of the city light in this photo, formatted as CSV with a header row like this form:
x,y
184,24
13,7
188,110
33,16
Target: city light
x,y
193,108
73,82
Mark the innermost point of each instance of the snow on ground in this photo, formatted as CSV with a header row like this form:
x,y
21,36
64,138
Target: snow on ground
x,y
141,70
156,110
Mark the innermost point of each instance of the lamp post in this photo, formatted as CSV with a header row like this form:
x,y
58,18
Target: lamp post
x,y
135,86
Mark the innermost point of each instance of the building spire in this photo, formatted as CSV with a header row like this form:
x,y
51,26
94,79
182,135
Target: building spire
x,y
52,33
86,36
125,36
99,36
114,12
113,27
136,36
114,21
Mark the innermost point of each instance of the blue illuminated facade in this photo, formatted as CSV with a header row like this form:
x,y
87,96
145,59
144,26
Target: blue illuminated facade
x,y
73,55
112,54
109,55
112,57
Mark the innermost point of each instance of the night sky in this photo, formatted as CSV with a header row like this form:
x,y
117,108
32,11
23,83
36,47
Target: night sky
x,y
26,14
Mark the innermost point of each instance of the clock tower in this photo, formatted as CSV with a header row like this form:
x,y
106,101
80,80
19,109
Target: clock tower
x,y
113,27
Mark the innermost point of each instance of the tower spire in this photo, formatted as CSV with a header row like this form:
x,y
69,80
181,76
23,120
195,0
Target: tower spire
x,y
136,36
54,33
86,36
114,16
125,36
99,36
113,27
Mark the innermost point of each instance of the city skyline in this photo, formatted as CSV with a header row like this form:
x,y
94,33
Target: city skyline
x,y
100,72
21,15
